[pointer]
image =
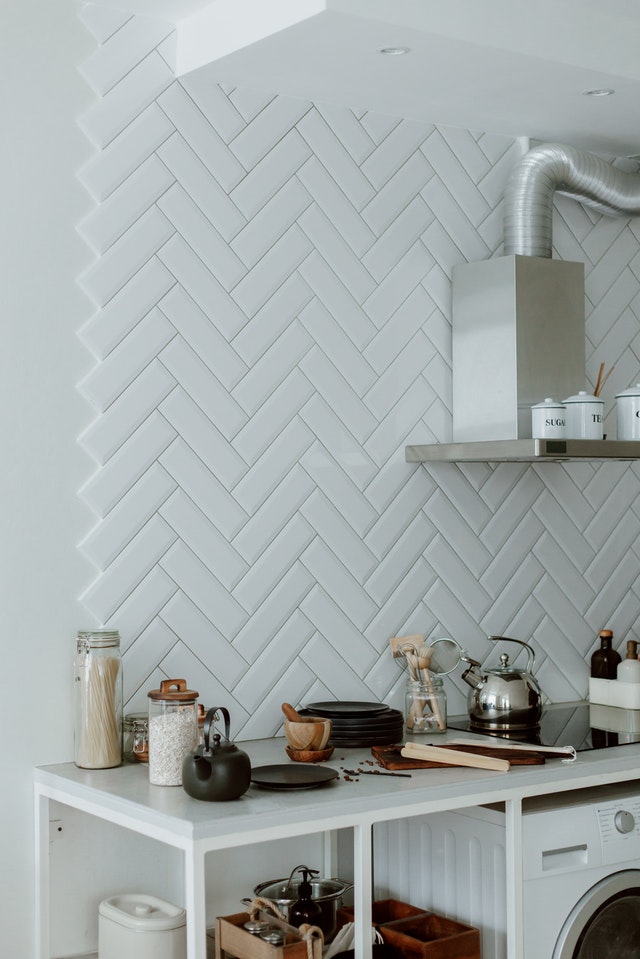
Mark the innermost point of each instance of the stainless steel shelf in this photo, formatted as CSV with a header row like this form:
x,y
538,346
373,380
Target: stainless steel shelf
x,y
523,451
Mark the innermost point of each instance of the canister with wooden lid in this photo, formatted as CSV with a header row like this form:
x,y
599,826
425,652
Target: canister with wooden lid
x,y
173,730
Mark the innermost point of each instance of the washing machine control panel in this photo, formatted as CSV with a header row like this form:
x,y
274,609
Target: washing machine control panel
x,y
619,826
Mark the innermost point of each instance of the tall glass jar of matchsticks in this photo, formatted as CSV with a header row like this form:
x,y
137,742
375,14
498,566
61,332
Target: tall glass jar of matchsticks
x,y
98,700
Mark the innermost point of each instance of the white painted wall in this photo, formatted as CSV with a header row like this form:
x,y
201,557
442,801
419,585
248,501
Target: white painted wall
x,y
40,416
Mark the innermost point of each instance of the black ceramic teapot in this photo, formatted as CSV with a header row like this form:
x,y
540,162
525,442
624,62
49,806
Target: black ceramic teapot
x,y
216,771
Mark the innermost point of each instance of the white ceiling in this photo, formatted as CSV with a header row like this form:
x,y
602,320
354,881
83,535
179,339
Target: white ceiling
x,y
514,67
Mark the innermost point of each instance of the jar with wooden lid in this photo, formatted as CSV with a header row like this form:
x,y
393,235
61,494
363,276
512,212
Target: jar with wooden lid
x,y
173,730
98,699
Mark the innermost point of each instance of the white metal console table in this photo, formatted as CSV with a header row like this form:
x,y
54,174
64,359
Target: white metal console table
x,y
123,796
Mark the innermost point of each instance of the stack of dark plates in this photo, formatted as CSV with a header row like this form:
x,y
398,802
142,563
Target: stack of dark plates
x,y
359,724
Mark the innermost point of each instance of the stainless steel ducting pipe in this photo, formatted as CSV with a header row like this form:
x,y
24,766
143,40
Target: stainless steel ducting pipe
x,y
555,167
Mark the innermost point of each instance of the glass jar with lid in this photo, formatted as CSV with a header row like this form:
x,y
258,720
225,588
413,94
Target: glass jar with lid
x,y
173,730
98,699
135,735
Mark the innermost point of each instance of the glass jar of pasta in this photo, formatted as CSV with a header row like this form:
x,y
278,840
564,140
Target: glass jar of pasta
x,y
98,699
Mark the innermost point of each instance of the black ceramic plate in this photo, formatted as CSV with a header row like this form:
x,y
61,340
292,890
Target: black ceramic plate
x,y
365,741
373,730
380,722
375,724
283,776
345,709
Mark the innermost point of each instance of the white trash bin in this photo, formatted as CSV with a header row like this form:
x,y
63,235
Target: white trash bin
x,y
135,926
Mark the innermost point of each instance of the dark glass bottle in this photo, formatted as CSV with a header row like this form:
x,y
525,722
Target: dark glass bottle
x,y
305,909
604,662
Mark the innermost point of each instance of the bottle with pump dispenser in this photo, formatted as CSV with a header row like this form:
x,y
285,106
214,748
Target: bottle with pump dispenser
x,y
305,909
605,660
629,669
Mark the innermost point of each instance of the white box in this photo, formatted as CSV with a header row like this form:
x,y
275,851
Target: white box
x,y
613,719
136,926
612,692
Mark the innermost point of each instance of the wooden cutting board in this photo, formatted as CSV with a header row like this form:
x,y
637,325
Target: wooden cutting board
x,y
391,758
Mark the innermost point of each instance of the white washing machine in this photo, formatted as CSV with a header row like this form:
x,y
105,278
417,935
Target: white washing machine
x,y
581,857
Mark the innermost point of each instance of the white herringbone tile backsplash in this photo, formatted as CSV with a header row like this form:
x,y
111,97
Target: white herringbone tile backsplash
x,y
272,325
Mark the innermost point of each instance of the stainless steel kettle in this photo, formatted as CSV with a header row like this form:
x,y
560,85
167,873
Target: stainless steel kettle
x,y
504,698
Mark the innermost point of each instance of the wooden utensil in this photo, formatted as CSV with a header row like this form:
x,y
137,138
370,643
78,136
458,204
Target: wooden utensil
x,y
291,714
424,661
454,757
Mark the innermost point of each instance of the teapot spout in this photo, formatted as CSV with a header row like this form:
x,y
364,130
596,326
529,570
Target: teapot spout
x,y
202,767
473,677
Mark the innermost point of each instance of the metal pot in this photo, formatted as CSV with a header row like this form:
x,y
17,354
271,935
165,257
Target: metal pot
x,y
504,698
327,893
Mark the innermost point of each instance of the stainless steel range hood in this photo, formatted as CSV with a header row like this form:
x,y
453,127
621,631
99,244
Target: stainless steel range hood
x,y
518,337
518,320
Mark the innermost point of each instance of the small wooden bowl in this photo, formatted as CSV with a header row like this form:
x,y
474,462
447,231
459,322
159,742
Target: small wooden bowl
x,y
309,755
311,732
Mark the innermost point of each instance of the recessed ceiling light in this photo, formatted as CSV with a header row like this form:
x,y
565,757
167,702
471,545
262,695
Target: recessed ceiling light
x,y
394,51
598,93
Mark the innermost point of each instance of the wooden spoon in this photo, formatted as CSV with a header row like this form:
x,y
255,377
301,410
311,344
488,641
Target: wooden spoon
x,y
291,714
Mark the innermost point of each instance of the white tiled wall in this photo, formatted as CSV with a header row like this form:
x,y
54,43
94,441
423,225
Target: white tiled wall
x,y
272,326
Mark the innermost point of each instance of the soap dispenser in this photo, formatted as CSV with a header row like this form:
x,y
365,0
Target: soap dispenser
x,y
305,909
629,668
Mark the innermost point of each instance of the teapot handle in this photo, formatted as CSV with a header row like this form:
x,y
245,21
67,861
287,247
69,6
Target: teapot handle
x,y
530,653
208,722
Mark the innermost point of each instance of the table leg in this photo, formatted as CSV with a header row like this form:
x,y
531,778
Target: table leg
x,y
362,892
41,853
195,900
515,896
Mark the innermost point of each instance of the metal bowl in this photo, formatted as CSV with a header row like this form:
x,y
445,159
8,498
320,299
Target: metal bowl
x,y
327,893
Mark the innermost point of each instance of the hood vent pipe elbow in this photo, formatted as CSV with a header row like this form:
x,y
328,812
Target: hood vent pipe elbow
x,y
554,167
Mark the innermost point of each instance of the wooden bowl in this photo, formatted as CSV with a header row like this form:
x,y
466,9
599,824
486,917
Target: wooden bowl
x,y
311,732
309,755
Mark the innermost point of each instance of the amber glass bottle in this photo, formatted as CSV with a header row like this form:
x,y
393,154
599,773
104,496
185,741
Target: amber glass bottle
x,y
305,909
604,662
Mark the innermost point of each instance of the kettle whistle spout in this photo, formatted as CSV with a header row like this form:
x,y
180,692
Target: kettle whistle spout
x,y
202,767
473,677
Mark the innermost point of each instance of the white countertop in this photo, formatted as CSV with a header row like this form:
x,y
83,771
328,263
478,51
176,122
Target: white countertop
x,y
124,794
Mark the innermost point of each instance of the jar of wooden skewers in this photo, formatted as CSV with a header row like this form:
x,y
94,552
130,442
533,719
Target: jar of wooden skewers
x,y
98,700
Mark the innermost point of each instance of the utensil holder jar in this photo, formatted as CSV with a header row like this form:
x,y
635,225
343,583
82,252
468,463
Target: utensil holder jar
x,y
426,707
98,700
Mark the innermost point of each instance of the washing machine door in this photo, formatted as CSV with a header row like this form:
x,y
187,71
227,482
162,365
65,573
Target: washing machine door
x,y
605,923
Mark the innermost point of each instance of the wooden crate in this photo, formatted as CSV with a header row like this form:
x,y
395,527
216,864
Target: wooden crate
x,y
430,936
232,938
413,933
382,910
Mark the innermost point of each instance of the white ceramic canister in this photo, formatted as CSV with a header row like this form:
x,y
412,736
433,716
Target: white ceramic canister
x,y
628,413
585,416
548,420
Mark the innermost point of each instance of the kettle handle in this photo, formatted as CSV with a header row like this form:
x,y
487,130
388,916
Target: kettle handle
x,y
208,722
530,653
